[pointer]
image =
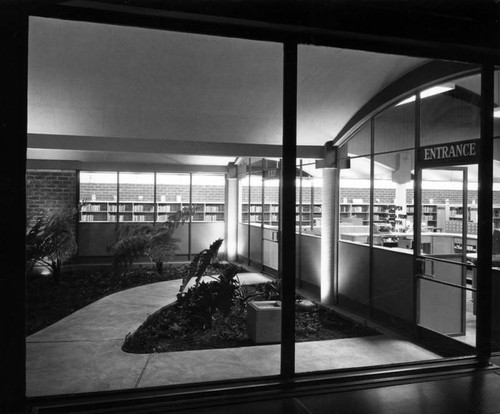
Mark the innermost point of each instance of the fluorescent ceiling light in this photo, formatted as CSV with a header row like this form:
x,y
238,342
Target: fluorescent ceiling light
x,y
496,112
435,90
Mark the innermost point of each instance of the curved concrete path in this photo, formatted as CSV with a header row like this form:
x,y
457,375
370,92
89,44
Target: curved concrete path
x,y
82,352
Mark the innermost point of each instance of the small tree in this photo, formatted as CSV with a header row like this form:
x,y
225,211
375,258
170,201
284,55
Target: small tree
x,y
154,241
51,241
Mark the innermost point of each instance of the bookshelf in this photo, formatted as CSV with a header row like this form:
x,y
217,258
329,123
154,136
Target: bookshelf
x,y
382,213
429,214
269,213
144,211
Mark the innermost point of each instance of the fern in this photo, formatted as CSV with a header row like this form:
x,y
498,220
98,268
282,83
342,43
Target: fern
x,y
200,263
154,241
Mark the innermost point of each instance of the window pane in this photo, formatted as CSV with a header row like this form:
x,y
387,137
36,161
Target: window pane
x,y
209,194
355,201
136,193
451,112
395,128
360,142
244,188
208,197
256,186
98,193
393,195
172,194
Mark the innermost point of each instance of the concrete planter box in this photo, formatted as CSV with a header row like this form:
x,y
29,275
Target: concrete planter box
x,y
264,321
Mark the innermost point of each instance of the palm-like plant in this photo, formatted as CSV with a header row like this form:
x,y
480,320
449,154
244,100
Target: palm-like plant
x,y
51,241
154,241
200,263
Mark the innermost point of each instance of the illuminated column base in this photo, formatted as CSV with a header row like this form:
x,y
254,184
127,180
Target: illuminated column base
x,y
231,219
329,231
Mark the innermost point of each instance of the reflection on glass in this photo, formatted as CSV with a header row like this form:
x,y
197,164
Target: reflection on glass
x,y
360,142
395,128
452,113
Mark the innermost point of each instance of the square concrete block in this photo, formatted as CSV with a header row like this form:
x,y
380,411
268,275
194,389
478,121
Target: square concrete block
x,y
264,321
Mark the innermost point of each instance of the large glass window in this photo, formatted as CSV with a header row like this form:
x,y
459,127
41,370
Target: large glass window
x,y
197,88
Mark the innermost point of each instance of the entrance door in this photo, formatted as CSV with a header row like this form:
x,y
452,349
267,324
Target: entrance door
x,y
445,253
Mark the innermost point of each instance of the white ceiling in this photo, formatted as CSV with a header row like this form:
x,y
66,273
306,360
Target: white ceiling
x,y
92,80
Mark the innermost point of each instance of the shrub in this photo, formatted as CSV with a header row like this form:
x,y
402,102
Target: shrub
x,y
51,241
155,241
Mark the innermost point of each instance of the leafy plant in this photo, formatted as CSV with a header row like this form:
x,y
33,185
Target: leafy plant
x,y
200,263
153,241
51,241
269,290
203,300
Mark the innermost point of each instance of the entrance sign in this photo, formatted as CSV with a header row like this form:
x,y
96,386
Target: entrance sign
x,y
456,153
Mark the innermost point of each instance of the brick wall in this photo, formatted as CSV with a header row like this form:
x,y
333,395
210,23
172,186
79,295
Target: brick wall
x,y
131,192
271,195
49,189
453,196
351,193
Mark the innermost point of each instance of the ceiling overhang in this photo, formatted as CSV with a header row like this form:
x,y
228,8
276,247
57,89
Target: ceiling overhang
x,y
144,146
385,26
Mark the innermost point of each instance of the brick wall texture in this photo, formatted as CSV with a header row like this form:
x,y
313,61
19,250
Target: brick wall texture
x,y
131,192
271,195
49,190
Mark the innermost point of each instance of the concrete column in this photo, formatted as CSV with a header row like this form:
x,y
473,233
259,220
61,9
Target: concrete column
x,y
329,234
232,214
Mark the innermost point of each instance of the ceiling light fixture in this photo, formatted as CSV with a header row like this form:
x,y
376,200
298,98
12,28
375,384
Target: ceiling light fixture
x,y
435,90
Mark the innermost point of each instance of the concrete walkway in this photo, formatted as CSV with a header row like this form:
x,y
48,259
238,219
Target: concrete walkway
x,y
82,352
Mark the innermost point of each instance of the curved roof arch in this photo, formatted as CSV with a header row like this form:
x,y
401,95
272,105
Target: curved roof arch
x,y
420,78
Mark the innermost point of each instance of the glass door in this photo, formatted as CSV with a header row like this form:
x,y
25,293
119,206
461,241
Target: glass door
x,y
445,253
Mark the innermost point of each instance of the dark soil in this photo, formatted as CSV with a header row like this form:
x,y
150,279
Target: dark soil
x,y
158,333
47,302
